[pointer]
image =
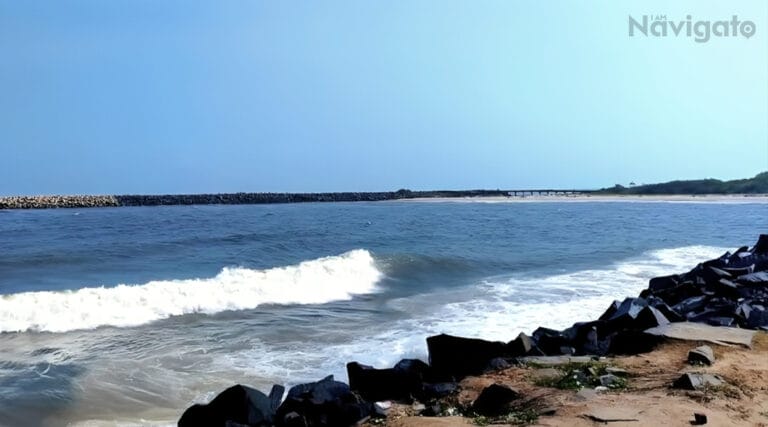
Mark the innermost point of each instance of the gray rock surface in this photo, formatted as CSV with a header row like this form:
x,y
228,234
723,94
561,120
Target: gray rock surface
x,y
703,354
697,381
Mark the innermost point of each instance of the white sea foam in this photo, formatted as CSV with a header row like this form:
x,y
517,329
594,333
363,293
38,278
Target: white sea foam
x,y
310,282
514,305
496,309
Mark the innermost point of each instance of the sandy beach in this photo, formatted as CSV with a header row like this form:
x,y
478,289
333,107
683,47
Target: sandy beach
x,y
708,198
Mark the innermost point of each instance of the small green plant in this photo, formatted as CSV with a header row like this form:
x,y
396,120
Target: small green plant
x,y
525,416
619,384
575,376
522,417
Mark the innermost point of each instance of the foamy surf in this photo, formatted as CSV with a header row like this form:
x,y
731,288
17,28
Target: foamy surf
x,y
498,308
317,281
521,304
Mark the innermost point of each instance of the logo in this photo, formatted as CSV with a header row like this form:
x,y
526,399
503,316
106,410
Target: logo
x,y
700,31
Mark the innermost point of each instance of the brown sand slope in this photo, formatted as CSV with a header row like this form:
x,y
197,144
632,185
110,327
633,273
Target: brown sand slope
x,y
648,397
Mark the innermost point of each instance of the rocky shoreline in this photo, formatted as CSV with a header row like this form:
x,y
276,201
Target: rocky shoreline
x,y
90,201
720,300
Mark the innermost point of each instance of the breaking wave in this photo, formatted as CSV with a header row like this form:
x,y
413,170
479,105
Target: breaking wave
x,y
316,281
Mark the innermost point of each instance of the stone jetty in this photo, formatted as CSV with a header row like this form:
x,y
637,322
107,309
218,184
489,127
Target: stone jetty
x,y
724,299
86,201
47,202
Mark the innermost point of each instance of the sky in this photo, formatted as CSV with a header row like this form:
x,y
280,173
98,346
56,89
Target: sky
x,y
190,96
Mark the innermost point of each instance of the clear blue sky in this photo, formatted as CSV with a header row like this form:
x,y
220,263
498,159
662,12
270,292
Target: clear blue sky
x,y
158,96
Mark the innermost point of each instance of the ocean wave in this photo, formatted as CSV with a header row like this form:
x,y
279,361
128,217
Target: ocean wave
x,y
521,304
316,281
497,308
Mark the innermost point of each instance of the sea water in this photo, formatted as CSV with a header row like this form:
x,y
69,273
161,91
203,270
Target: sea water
x,y
126,316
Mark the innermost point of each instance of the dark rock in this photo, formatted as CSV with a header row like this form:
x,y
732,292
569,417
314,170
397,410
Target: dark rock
x,y
713,274
581,331
542,332
293,419
685,290
696,381
325,390
382,384
610,311
520,346
702,354
633,342
591,343
437,390
412,366
691,304
630,307
758,317
714,308
699,419
553,344
453,357
720,321
742,271
756,278
433,410
626,315
743,310
667,311
649,317
761,246
663,283
237,404
497,364
646,293
326,403
726,288
494,400
399,383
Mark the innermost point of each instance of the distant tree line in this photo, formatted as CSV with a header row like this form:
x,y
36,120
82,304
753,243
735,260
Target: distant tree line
x,y
756,185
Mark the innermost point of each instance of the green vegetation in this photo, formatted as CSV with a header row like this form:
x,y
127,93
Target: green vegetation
x,y
575,376
519,412
516,417
756,185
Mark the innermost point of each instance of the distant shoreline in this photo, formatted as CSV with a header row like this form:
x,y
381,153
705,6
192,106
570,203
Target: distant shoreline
x,y
580,198
459,196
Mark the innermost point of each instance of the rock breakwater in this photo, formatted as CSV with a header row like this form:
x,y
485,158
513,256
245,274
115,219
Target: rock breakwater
x,y
47,202
86,201
720,294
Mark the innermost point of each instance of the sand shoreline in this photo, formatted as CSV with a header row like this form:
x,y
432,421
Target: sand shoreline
x,y
704,198
463,196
